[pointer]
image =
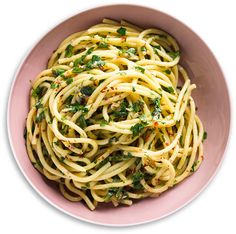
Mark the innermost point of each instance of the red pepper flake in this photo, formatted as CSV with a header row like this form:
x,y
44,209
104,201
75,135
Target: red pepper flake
x,y
147,137
101,68
167,144
123,38
155,124
104,90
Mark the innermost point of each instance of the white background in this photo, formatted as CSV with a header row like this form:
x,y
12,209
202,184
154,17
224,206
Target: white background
x,y
22,23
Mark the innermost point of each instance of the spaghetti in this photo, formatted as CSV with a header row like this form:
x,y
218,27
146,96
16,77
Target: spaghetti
x,y
108,119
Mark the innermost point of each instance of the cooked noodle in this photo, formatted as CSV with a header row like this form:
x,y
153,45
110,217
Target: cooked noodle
x,y
108,121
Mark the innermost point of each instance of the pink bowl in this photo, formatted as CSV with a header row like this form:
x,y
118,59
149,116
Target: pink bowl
x,y
211,96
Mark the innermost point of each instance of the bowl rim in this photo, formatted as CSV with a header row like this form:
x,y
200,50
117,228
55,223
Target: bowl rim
x,y
95,6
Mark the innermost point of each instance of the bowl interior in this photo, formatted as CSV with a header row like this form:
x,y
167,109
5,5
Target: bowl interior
x,y
211,97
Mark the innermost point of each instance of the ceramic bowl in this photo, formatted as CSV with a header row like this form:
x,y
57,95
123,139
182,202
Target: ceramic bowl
x,y
211,96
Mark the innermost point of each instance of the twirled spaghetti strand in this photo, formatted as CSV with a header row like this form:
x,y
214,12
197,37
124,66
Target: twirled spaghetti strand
x,y
112,118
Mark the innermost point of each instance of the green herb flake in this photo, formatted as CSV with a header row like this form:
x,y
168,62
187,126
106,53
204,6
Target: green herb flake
x,y
118,157
117,193
37,163
95,62
58,72
122,110
137,177
137,106
40,117
38,105
174,55
121,31
141,69
204,136
168,89
69,81
87,90
133,89
78,70
157,110
77,107
89,51
79,61
82,122
103,45
84,188
143,49
69,51
193,168
137,128
37,92
168,72
54,85
103,123
131,51
56,143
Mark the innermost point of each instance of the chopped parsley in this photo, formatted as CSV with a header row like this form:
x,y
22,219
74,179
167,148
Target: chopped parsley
x,y
78,70
37,92
121,31
54,85
193,168
37,163
77,107
87,90
122,111
174,55
131,51
58,72
157,110
40,117
69,81
167,71
79,60
118,157
38,105
133,89
69,51
82,122
168,89
141,69
103,123
137,128
82,58
95,62
113,139
103,45
143,49
204,136
155,48
117,193
89,51
137,177
137,106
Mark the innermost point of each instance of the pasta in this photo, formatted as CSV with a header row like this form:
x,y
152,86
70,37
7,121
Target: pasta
x,y
112,118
